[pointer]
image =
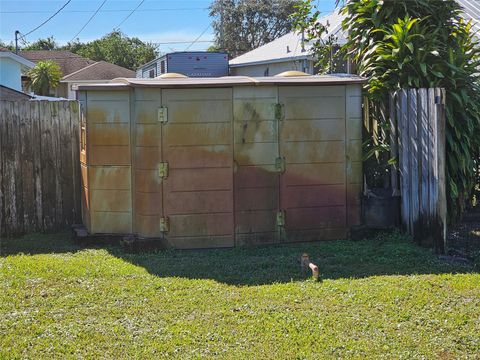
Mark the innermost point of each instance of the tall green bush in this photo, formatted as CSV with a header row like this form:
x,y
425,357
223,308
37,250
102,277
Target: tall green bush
x,y
418,43
422,43
44,77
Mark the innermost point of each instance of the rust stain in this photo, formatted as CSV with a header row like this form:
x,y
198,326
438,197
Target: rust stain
x,y
99,115
148,135
109,134
108,177
110,155
146,117
111,200
112,222
148,226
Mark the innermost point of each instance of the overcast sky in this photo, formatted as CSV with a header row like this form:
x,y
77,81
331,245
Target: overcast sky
x,y
159,21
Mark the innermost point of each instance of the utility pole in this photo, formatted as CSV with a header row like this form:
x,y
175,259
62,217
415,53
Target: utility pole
x,y
16,41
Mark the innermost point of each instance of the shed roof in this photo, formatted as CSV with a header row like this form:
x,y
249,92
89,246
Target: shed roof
x,y
227,81
100,70
289,46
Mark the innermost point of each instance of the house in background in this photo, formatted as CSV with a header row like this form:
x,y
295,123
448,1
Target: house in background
x,y
99,72
11,68
286,53
189,63
77,69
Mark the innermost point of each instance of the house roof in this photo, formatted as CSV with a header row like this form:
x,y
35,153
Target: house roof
x,y
5,53
100,70
472,12
289,46
7,93
68,61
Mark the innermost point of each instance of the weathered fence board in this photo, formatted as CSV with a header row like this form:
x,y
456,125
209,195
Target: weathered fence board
x,y
39,166
419,135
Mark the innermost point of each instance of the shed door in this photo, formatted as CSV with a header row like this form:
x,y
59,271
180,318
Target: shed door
x,y
197,145
312,142
256,177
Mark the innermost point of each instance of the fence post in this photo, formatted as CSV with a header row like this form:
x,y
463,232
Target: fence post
x,y
421,136
393,145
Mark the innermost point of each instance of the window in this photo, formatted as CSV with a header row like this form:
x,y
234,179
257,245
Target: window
x,y
162,67
266,72
151,73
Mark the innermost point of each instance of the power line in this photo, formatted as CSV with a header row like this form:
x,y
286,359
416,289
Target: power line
x,y
196,40
91,17
50,18
102,11
126,18
181,42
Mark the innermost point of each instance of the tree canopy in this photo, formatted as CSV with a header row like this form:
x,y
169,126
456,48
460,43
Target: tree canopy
x,y
116,48
243,25
42,44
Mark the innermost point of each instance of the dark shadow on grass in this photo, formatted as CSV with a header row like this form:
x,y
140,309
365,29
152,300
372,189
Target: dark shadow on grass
x,y
39,243
388,254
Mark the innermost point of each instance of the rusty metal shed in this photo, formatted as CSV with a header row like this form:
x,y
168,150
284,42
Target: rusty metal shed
x,y
219,162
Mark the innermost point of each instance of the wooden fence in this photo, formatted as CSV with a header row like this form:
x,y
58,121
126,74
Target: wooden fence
x,y
418,142
39,166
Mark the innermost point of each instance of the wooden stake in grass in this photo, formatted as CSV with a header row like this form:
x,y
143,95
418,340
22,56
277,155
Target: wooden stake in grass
x,y
307,264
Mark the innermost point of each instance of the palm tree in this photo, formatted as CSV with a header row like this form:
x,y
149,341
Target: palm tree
x,y
44,76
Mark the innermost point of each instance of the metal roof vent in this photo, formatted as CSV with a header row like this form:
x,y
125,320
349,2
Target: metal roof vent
x,y
292,73
171,75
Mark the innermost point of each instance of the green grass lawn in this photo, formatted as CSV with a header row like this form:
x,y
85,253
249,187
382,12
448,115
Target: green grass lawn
x,y
379,298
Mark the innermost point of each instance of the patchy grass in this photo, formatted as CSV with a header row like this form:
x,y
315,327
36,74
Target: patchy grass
x,y
379,298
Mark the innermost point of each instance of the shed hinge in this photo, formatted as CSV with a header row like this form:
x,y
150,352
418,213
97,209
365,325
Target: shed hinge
x,y
163,170
164,224
279,111
281,218
162,114
280,164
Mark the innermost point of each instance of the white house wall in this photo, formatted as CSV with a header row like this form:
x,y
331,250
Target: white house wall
x,y
10,74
